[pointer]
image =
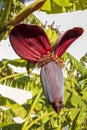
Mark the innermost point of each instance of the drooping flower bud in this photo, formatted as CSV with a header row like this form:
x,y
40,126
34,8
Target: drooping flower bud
x,y
53,84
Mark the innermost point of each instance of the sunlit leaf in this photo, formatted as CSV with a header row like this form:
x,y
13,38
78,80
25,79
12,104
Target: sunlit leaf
x,y
81,117
17,109
13,127
66,96
51,7
83,60
78,66
60,6
63,2
5,118
73,113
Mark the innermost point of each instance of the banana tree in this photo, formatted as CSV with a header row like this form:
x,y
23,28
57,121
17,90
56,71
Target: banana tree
x,y
37,113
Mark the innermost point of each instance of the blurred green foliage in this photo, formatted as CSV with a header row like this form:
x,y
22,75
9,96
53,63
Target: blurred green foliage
x,y
74,113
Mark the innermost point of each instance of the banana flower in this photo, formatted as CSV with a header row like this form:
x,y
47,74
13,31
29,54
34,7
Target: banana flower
x,y
32,44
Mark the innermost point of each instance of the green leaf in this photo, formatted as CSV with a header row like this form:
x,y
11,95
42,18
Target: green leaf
x,y
83,60
18,62
51,7
60,6
15,62
81,117
17,109
84,83
5,118
73,113
13,127
67,95
78,66
38,106
4,101
63,2
77,101
47,6
52,35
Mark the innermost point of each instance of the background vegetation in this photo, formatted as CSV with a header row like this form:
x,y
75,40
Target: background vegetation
x,y
74,113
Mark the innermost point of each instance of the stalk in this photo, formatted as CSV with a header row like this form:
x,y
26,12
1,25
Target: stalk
x,y
19,17
32,107
27,11
10,76
38,119
5,13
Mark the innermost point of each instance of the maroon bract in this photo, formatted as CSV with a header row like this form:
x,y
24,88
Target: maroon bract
x,y
31,43
66,40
